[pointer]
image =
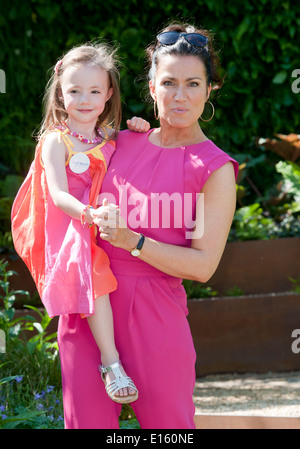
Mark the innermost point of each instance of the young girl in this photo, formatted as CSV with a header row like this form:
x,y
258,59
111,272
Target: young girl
x,y
52,215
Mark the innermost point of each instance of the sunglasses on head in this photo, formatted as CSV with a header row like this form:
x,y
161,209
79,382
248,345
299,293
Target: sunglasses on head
x,y
171,37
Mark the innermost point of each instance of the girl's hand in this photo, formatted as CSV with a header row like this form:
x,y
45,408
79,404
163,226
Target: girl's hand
x,y
113,227
138,124
103,211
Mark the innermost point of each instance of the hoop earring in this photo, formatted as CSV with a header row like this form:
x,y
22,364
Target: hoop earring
x,y
213,113
155,110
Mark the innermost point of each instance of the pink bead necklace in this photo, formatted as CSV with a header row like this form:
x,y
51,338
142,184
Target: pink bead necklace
x,y
97,139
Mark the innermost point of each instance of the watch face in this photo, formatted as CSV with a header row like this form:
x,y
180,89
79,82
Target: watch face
x,y
135,252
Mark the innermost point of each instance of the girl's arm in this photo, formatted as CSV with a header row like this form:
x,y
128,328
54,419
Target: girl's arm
x,y
200,261
54,159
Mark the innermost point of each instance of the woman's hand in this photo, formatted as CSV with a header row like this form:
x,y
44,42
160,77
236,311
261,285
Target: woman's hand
x,y
138,124
113,228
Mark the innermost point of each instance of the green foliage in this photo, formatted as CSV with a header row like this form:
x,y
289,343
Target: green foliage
x,y
130,424
30,379
250,224
258,47
295,284
30,383
291,176
22,408
234,291
8,324
197,290
9,186
276,214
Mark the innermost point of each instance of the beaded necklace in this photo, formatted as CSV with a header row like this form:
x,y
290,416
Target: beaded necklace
x,y
97,139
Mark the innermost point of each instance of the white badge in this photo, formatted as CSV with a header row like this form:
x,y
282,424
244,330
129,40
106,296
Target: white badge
x,y
79,163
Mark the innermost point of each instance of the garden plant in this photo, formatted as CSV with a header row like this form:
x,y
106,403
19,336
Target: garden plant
x,y
30,379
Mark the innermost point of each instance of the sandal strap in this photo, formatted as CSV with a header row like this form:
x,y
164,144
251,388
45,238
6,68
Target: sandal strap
x,y
113,387
106,369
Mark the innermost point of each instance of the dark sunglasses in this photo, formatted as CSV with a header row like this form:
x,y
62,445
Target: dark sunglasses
x,y
171,37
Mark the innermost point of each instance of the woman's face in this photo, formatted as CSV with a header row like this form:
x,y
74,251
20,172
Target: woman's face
x,y
180,90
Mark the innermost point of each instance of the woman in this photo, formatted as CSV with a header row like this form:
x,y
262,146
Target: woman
x,y
163,231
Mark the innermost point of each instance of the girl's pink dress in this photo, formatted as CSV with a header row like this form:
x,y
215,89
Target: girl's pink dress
x,y
68,267
152,333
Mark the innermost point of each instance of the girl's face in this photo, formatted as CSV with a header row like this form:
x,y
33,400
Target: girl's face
x,y
180,90
85,90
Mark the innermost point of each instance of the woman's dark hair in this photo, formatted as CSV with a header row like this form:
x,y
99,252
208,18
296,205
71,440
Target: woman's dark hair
x,y
207,54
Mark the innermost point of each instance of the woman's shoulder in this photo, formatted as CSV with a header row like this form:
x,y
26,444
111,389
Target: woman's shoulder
x,y
209,157
126,134
206,148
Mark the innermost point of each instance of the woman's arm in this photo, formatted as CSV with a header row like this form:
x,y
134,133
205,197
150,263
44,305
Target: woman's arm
x,y
200,261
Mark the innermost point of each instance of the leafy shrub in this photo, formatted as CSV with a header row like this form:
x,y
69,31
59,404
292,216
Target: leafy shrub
x,y
258,50
259,54
30,381
278,212
197,290
30,378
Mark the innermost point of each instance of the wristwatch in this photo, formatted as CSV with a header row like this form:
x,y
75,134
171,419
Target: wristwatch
x,y
137,250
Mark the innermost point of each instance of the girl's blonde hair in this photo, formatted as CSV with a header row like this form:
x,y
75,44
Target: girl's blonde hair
x,y
96,54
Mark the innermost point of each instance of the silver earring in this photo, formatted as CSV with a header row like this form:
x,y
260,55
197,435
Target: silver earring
x,y
213,113
155,110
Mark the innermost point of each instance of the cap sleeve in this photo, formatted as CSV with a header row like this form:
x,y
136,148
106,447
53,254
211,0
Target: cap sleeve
x,y
217,163
201,161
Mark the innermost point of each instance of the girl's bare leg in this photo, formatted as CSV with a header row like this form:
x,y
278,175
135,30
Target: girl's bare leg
x,y
101,325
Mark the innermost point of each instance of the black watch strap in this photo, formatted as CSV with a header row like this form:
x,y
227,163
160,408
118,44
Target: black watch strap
x,y
139,246
137,250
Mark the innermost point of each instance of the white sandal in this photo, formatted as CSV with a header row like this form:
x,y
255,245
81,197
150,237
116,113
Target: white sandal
x,y
118,383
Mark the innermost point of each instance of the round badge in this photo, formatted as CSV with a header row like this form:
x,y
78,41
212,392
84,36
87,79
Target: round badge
x,y
79,163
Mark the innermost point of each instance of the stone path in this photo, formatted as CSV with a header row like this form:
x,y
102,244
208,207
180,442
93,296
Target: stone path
x,y
268,394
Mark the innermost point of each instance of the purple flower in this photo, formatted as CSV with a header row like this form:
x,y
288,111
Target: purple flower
x,y
37,396
2,408
19,378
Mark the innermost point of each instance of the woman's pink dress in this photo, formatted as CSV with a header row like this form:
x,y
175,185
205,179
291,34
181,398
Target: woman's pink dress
x,y
156,189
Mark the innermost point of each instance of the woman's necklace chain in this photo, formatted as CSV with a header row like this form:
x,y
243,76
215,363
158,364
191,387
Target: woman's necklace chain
x,y
80,137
